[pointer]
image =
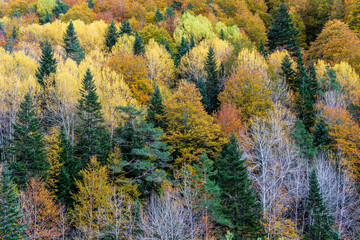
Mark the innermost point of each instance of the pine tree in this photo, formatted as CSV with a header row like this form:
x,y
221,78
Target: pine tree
x,y
72,45
319,223
156,111
47,64
28,147
138,47
304,140
125,28
111,36
238,202
289,74
282,33
314,83
47,18
10,209
145,156
93,137
183,49
60,8
212,82
222,35
91,4
321,134
158,16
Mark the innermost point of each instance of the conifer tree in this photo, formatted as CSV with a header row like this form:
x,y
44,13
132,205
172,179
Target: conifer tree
x,y
354,109
72,45
183,49
28,147
282,33
239,205
111,36
156,111
14,33
262,48
145,156
60,8
48,64
47,18
319,222
304,140
289,74
321,134
10,209
158,16
93,136
222,35
190,6
192,42
125,28
91,4
169,12
212,82
138,48
314,83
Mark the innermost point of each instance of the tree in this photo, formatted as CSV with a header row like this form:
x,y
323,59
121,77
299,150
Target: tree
x,y
145,156
321,134
91,4
138,48
156,110
60,8
10,209
47,66
111,36
158,16
238,202
212,83
282,33
183,48
72,45
47,18
28,147
303,140
125,28
93,137
319,222
289,74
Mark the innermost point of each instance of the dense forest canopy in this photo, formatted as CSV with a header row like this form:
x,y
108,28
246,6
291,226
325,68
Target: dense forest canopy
x,y
179,119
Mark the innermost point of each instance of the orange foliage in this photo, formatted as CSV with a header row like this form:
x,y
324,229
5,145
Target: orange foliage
x,y
80,12
112,10
229,119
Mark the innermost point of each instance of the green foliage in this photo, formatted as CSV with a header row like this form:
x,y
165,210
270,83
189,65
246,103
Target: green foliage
x,y
212,83
354,109
282,33
262,48
158,16
48,64
60,8
156,111
111,37
304,140
190,6
93,137
145,156
10,209
319,222
239,204
321,134
183,48
91,4
125,28
14,33
47,18
28,147
72,45
222,35
138,48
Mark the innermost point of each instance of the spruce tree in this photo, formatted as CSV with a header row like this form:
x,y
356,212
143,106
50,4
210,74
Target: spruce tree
x,y
212,82
262,48
169,12
28,147
239,203
10,209
91,4
304,140
47,64
111,36
192,42
222,35
93,137
138,47
72,45
182,49
282,33
289,74
158,16
125,28
145,156
60,8
190,6
156,111
47,18
321,134
14,33
319,222
314,83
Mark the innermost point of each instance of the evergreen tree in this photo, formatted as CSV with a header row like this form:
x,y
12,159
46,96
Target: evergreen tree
x,y
177,5
329,83
138,47
111,36
60,8
289,74
319,223
47,64
282,33
262,49
10,209
192,42
222,35
14,33
321,134
354,109
72,45
156,110
303,140
47,18
91,4
125,28
183,49
169,12
158,16
145,156
28,147
212,82
93,137
314,83
190,6
239,205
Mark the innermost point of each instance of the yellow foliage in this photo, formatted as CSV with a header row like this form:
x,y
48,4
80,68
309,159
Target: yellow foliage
x,y
275,60
81,12
252,60
45,6
125,44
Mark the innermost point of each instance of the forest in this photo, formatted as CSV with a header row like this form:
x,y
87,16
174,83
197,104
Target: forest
x,y
179,119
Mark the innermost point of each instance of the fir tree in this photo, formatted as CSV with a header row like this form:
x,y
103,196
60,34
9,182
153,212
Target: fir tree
x,y
262,48
93,136
190,6
289,74
156,110
47,18
239,205
282,33
10,209
304,140
138,47
169,12
319,222
47,64
192,42
212,82
222,35
60,8
329,83
91,4
177,5
314,83
28,147
183,49
72,45
321,134
111,36
158,16
14,33
125,28
145,156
